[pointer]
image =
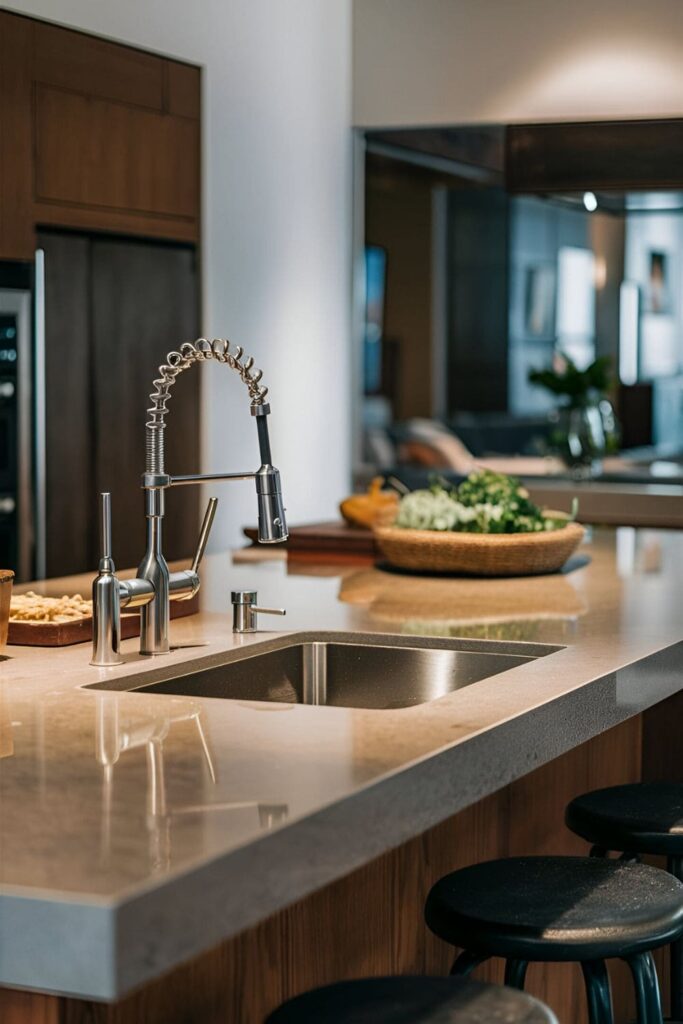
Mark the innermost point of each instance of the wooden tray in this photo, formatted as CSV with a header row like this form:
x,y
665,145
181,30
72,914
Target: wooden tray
x,y
329,542
63,634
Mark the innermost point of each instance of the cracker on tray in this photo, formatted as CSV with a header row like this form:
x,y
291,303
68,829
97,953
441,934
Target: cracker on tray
x,y
32,607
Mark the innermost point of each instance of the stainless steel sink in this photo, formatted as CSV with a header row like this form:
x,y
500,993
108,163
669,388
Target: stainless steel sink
x,y
344,670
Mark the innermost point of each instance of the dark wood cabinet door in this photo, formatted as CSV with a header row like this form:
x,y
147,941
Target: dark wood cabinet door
x,y
477,314
68,415
114,309
17,240
144,305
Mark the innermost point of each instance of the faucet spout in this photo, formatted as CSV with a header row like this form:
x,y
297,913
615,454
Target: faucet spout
x,y
272,525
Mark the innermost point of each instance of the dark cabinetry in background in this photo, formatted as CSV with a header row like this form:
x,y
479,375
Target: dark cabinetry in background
x,y
114,308
100,168
477,314
94,136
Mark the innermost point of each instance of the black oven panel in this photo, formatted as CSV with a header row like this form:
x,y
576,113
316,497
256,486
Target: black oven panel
x,y
9,439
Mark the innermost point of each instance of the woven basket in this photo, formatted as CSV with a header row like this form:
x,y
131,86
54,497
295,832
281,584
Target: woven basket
x,y
479,554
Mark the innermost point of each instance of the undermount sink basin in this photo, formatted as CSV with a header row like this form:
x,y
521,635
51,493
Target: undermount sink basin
x,y
343,670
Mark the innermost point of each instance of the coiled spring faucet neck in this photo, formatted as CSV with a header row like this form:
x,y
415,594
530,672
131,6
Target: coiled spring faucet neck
x,y
199,351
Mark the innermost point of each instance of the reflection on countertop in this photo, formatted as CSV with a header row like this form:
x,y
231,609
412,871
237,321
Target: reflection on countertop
x,y
509,610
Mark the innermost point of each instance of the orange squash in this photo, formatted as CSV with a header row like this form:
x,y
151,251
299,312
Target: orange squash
x,y
368,509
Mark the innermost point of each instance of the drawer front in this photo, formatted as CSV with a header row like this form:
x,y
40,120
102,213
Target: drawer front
x,y
97,153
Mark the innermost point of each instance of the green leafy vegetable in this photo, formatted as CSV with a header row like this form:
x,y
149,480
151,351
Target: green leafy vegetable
x,y
486,502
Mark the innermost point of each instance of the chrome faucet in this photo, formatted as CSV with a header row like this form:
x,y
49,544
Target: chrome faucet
x,y
154,586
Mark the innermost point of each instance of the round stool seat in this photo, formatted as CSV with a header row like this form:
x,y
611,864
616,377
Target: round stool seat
x,y
406,1000
557,908
645,817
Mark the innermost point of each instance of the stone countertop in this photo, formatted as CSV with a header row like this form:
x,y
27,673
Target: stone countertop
x,y
138,830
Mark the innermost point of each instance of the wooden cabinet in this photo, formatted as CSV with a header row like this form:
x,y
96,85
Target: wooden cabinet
x,y
95,153
16,142
100,166
70,527
144,303
114,308
94,135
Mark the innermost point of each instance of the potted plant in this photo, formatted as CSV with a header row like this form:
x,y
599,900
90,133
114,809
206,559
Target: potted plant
x,y
587,427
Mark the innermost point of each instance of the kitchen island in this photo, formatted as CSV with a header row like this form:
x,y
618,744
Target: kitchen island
x,y
174,858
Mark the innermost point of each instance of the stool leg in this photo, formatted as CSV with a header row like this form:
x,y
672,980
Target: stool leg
x,y
515,973
464,964
630,858
598,992
647,988
675,866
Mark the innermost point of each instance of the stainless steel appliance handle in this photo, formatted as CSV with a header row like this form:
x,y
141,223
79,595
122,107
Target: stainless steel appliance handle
x,y
39,417
19,505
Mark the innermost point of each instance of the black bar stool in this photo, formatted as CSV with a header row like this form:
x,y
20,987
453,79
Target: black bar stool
x,y
416,1000
640,818
562,909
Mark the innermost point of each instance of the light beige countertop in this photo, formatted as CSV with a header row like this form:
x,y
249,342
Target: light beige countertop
x,y
138,830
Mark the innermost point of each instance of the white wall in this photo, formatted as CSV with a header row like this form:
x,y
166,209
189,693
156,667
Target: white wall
x,y
456,61
277,220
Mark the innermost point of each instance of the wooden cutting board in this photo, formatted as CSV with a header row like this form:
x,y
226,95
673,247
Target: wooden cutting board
x,y
79,631
327,542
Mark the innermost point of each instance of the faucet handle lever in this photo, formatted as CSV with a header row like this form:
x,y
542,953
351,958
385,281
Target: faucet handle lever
x,y
207,523
245,610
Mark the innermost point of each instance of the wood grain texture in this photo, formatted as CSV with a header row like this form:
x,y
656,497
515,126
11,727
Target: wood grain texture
x,y
662,747
22,1007
594,155
94,135
79,631
118,222
371,922
94,152
327,543
16,227
96,67
663,762
183,89
114,308
144,303
71,539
